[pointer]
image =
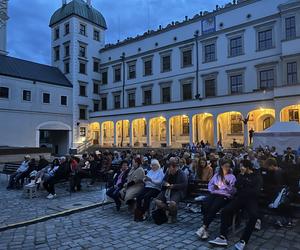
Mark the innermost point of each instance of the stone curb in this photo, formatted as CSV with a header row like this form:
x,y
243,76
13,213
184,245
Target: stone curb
x,y
52,216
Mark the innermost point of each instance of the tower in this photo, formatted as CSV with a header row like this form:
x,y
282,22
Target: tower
x,y
78,31
3,21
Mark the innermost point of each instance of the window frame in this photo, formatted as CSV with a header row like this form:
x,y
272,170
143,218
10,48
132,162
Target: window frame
x,y
117,67
96,38
104,72
84,85
129,65
162,56
56,51
183,82
146,60
27,90
132,92
83,31
119,96
85,112
67,30
240,72
85,65
294,28
43,98
264,28
293,74
61,103
184,49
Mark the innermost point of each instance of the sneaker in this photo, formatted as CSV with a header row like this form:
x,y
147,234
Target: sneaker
x,y
258,224
31,184
289,224
51,196
219,241
200,231
240,245
205,235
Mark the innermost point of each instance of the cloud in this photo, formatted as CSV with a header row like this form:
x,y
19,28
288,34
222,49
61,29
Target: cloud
x,y
29,36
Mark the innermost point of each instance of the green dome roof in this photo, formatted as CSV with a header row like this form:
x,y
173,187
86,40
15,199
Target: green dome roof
x,y
81,9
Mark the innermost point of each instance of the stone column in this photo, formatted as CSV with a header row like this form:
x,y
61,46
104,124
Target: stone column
x,y
277,114
115,134
168,132
215,118
101,136
131,143
148,126
191,130
246,136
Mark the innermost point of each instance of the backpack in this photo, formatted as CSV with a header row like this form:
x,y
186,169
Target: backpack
x,y
159,216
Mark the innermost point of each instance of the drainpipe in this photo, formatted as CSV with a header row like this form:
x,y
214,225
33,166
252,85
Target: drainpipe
x,y
123,95
197,96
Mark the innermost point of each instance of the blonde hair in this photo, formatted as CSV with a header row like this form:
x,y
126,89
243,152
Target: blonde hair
x,y
155,162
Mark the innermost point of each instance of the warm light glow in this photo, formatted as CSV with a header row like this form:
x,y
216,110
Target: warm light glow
x,y
261,109
205,113
161,117
184,116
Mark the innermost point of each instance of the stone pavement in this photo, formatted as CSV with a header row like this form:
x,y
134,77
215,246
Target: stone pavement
x,y
104,228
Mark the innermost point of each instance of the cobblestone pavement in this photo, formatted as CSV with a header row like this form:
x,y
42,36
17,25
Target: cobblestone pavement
x,y
104,228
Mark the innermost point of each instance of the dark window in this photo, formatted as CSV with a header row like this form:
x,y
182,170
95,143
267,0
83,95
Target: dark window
x,y
117,74
27,95
266,123
82,30
104,103
67,28
187,58
131,100
96,106
267,79
82,113
63,100
236,46
67,50
236,124
46,98
82,131
82,68
96,66
56,53
96,35
210,52
292,73
293,115
185,126
104,77
147,97
117,101
82,90
166,63
210,87
148,67
4,92
82,51
187,91
166,94
96,88
67,67
132,73
56,33
290,27
265,40
236,84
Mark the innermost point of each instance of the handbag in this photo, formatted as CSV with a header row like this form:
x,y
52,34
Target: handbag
x,y
159,216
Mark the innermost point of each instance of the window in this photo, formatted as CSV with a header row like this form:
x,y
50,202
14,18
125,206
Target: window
x,y
186,91
26,95
266,79
131,100
82,67
4,92
82,90
236,84
185,126
96,106
96,35
82,50
292,73
56,33
96,66
131,71
104,103
63,100
166,94
96,88
82,29
56,53
236,124
265,40
67,50
236,46
117,101
187,58
148,67
293,115
82,113
67,68
104,77
46,98
117,73
210,52
290,28
210,87
266,123
82,132
147,97
67,28
166,63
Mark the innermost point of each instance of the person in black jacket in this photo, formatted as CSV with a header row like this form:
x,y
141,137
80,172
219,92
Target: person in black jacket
x,y
118,183
248,185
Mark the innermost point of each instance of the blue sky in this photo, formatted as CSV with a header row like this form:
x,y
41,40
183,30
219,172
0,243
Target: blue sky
x,y
29,33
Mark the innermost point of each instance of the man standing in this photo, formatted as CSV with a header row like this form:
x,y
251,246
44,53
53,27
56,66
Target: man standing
x,y
251,132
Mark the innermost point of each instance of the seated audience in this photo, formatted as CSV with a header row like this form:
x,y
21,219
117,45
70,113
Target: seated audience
x,y
14,180
204,171
50,178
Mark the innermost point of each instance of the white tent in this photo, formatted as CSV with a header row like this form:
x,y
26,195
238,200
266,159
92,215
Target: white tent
x,y
281,135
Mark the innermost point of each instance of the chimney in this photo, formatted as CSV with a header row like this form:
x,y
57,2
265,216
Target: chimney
x,y
64,2
89,2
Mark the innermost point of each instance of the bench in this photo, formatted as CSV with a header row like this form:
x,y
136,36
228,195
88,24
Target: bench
x,y
9,168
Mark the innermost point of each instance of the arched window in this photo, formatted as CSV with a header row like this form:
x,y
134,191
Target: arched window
x,y
267,123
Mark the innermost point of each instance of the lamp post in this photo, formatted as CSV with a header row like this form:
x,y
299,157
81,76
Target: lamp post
x,y
123,95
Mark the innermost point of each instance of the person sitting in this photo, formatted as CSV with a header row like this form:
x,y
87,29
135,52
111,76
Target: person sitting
x,y
174,189
50,179
145,164
221,188
135,182
289,158
14,180
204,171
118,183
42,163
153,181
248,185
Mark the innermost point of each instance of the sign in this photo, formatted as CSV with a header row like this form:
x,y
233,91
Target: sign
x,y
208,25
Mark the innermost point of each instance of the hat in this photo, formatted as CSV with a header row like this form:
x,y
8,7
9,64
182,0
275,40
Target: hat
x,y
98,152
27,156
145,158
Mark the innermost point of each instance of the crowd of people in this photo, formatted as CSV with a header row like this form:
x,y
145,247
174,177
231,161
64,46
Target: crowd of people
x,y
240,180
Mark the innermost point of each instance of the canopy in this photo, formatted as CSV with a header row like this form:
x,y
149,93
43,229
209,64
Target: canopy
x,y
281,135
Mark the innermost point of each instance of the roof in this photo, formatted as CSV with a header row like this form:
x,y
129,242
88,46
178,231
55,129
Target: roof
x,y
280,127
81,9
15,67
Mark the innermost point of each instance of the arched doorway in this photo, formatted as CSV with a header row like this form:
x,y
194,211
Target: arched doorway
x,y
290,114
123,133
95,132
158,131
107,133
180,130
139,132
204,128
